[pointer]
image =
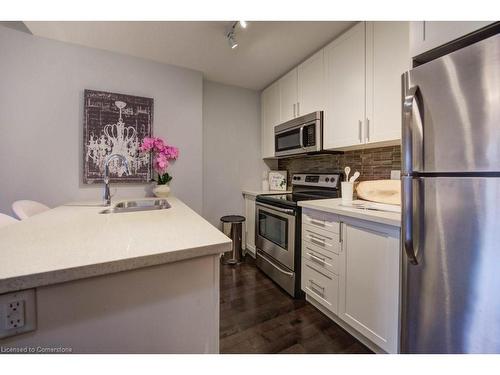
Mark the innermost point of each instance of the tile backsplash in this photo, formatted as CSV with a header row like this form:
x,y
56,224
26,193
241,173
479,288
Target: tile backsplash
x,y
373,163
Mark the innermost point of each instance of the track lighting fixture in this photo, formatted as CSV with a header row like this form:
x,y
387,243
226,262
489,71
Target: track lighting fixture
x,y
231,39
231,34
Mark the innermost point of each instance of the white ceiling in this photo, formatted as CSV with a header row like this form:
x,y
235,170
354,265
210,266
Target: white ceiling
x,y
266,50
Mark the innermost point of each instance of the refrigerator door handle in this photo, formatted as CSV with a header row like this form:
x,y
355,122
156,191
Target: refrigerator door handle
x,y
409,101
409,98
407,220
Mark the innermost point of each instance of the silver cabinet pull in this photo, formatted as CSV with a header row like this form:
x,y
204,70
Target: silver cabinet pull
x,y
317,271
317,258
315,287
317,240
360,126
317,222
294,115
367,129
298,108
340,232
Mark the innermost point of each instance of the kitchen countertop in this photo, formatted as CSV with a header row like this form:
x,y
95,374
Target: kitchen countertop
x,y
74,241
265,192
333,206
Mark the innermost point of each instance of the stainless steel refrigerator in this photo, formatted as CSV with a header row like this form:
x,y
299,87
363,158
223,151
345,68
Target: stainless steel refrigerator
x,y
451,203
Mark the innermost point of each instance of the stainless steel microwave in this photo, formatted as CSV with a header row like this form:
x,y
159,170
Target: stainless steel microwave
x,y
299,136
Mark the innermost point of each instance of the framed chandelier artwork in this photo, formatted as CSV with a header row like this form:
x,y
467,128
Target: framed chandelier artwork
x,y
116,124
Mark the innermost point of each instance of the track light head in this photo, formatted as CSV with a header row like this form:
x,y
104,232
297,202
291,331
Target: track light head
x,y
232,40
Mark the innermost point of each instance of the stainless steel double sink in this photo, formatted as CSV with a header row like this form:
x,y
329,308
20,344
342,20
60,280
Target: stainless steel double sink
x,y
137,205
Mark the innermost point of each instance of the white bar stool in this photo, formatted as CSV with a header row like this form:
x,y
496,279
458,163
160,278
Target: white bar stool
x,y
24,208
6,220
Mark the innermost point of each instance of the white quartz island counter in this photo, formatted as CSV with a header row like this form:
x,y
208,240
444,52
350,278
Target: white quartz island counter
x,y
136,282
335,206
75,241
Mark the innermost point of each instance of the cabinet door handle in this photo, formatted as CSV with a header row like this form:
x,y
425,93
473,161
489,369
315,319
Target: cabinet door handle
x,y
294,110
367,129
360,126
298,109
340,233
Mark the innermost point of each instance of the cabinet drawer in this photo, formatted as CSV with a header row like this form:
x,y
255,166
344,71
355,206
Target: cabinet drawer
x,y
319,256
323,286
321,220
324,239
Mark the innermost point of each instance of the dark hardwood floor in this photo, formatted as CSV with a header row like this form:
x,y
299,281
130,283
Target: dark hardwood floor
x,y
258,317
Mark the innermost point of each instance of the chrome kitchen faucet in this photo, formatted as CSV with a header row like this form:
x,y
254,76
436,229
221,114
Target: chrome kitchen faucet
x,y
107,194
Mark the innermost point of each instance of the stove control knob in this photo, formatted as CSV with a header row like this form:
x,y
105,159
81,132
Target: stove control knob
x,y
327,179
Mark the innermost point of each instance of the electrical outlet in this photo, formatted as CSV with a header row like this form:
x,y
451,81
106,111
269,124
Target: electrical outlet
x,y
395,175
14,314
17,313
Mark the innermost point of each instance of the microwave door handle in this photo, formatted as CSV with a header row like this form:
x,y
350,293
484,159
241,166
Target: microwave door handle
x,y
301,137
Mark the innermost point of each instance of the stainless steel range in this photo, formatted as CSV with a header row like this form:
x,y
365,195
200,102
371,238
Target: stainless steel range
x,y
278,227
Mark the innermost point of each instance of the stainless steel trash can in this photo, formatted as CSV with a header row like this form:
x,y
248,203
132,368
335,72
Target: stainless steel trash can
x,y
232,226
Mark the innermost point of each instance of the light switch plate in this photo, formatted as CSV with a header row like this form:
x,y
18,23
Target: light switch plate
x,y
17,313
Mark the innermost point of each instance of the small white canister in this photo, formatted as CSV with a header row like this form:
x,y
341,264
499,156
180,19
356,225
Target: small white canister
x,y
347,191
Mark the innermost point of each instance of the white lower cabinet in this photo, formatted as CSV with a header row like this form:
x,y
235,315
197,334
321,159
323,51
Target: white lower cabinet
x,y
249,229
359,282
322,285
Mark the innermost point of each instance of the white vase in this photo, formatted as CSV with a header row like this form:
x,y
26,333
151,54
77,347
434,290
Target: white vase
x,y
161,191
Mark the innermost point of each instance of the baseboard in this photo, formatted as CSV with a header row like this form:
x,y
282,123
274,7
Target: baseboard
x,y
368,343
249,249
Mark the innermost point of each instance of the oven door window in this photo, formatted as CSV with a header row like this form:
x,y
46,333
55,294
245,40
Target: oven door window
x,y
288,141
273,228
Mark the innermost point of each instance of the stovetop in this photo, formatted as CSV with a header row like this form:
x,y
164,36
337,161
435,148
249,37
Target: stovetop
x,y
307,187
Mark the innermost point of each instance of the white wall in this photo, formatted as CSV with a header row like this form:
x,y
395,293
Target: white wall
x,y
231,147
41,117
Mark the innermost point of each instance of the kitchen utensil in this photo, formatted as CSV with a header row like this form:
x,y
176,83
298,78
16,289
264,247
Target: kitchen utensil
x,y
347,170
354,176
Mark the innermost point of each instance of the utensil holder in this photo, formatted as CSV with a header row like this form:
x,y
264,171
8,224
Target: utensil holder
x,y
347,191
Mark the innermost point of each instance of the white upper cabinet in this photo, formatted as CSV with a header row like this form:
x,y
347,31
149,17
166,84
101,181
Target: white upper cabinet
x,y
288,96
387,58
355,80
345,89
310,84
363,71
425,35
270,117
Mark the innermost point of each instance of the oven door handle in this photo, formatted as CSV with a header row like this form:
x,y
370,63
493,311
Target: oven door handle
x,y
283,210
288,273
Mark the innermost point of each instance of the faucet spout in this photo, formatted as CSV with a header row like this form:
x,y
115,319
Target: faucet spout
x,y
107,194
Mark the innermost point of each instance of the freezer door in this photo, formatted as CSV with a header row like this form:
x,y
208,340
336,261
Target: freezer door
x,y
457,110
451,296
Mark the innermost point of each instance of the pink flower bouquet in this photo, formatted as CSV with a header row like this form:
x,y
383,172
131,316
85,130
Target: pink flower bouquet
x,y
162,153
